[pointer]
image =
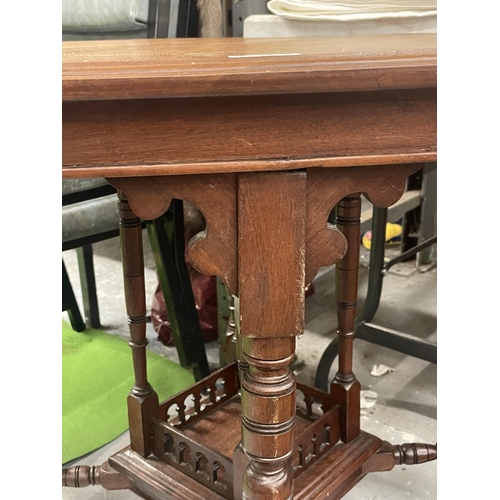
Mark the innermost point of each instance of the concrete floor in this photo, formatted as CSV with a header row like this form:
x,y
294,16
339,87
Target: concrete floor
x,y
406,405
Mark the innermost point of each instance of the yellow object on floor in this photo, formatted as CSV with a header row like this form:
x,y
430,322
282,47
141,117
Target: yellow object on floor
x,y
391,231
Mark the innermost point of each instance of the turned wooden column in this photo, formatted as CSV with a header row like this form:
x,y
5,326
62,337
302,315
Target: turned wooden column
x,y
142,401
268,418
345,388
271,276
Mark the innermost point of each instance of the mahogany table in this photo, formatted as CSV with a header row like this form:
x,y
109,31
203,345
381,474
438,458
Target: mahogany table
x,y
265,137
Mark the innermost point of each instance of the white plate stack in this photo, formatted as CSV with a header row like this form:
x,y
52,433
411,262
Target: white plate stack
x,y
292,18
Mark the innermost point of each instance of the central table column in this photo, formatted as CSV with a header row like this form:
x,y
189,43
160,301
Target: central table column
x,y
271,274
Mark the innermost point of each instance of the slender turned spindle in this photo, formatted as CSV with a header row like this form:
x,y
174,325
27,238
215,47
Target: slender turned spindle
x,y
345,388
142,401
268,406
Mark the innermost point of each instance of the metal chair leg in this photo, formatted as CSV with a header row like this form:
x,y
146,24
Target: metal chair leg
x,y
398,341
88,284
69,303
374,292
166,235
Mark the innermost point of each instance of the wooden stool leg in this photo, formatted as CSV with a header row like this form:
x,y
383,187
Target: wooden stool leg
x,y
345,388
143,400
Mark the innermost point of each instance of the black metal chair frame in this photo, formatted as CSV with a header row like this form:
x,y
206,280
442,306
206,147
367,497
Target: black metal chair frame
x,y
365,329
166,236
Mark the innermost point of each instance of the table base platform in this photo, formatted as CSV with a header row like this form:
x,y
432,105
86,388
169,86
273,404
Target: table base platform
x,y
197,452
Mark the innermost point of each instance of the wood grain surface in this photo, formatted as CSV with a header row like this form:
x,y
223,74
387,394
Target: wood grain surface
x,y
213,251
182,133
171,106
128,69
236,126
271,253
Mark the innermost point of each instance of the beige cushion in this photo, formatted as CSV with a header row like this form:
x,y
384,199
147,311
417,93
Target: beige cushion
x,y
104,15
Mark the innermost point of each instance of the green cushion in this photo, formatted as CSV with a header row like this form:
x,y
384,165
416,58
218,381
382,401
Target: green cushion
x,y
97,376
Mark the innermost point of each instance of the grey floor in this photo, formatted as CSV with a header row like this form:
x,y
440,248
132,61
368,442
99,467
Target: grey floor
x,y
406,403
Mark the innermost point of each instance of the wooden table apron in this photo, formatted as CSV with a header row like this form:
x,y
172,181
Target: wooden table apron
x,y
265,152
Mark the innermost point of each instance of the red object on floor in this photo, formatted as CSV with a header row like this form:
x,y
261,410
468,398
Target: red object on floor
x,y
205,297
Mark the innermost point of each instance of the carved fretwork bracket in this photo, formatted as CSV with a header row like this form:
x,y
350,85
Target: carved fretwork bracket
x,y
212,252
215,250
383,185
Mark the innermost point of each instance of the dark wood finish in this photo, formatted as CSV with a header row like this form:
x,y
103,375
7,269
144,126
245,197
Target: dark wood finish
x,y
157,480
200,461
126,69
271,209
316,446
226,418
202,447
315,440
213,251
414,453
335,474
161,481
142,401
265,145
382,184
345,388
323,124
267,165
185,132
199,431
80,476
268,417
209,393
405,454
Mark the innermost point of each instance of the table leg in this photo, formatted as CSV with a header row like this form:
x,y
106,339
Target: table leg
x,y
268,419
271,274
345,388
142,401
